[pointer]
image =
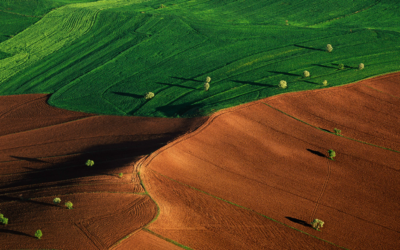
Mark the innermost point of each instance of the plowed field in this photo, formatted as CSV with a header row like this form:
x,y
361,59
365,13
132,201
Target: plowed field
x,y
43,154
220,183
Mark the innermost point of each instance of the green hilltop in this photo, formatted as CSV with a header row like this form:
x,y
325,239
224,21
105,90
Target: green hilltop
x,y
104,56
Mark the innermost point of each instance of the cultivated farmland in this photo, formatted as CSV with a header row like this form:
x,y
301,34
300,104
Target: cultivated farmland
x,y
103,56
199,124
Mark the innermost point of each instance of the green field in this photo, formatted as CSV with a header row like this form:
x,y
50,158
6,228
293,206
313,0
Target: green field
x,y
103,56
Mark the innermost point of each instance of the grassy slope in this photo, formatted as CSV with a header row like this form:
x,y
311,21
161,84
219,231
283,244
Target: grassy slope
x,y
104,56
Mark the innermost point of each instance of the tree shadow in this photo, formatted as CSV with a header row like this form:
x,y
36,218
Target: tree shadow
x,y
182,110
301,222
129,94
324,66
6,198
307,81
283,73
27,159
311,48
8,231
186,79
316,152
175,85
325,130
255,83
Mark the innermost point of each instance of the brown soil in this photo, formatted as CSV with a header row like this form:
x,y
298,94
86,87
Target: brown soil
x,y
43,155
251,177
274,165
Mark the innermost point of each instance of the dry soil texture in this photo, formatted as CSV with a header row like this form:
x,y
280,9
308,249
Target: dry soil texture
x,y
249,177
253,173
43,154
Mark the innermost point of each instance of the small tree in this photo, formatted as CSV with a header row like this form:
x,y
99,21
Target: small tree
x,y
149,95
341,66
306,73
38,234
56,200
206,86
287,22
283,84
332,154
317,224
329,48
361,66
337,131
69,204
89,163
3,219
120,175
325,83
208,79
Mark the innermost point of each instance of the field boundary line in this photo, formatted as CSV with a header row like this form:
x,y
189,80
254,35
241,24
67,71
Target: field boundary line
x,y
322,192
346,15
20,105
248,209
18,14
363,142
166,239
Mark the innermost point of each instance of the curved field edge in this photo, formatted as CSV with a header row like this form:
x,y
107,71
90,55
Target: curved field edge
x,y
102,57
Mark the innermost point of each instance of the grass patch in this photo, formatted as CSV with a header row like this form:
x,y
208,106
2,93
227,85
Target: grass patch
x,y
104,56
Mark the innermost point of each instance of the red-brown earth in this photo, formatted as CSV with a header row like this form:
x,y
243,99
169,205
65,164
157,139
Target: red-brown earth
x,y
251,177
43,154
216,186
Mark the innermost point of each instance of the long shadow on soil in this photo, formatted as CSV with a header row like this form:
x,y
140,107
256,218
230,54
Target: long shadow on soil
x,y
301,222
316,152
106,158
15,232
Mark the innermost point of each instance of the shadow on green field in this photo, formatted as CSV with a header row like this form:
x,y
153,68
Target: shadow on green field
x,y
175,85
180,110
311,48
254,83
283,73
186,79
324,66
128,94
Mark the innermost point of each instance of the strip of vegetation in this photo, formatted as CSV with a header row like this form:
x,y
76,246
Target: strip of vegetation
x,y
333,133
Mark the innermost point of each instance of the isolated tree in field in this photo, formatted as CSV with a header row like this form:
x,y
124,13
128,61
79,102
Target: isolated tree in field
x,y
206,86
337,131
3,219
332,154
317,224
361,66
89,163
208,79
329,48
283,84
69,204
120,175
56,200
325,83
306,73
341,66
287,22
149,95
38,234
